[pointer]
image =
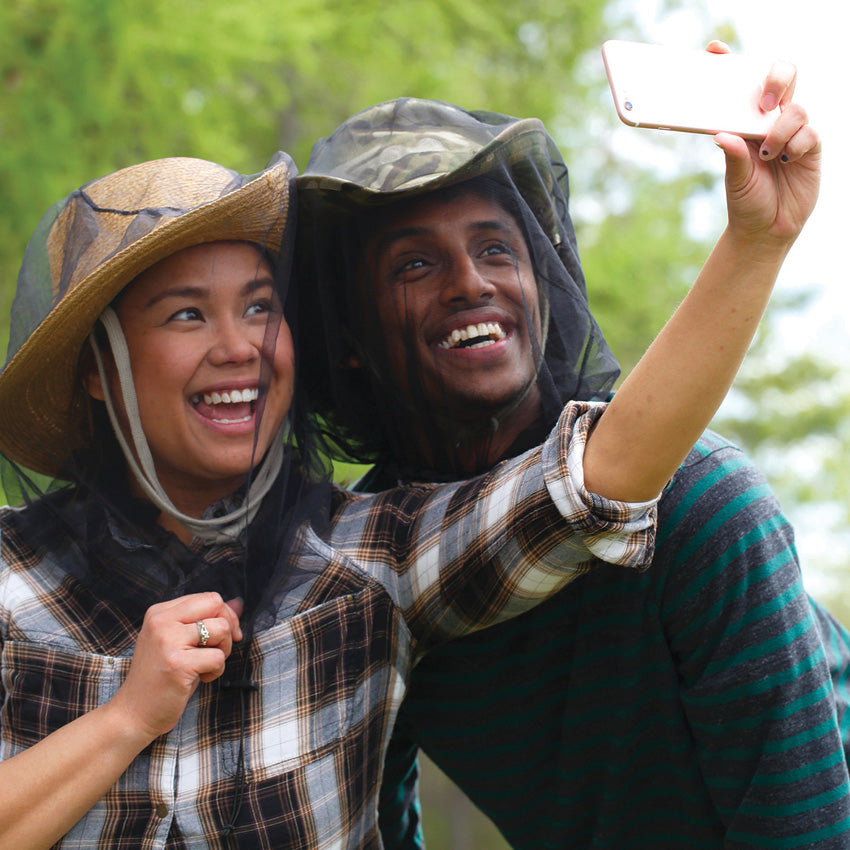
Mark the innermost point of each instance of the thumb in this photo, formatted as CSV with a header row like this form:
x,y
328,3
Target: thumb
x,y
739,165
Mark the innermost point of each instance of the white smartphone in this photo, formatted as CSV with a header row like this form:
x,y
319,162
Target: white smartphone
x,y
673,88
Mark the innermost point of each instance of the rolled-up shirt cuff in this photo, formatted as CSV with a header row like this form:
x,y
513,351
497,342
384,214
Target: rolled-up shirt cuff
x,y
615,531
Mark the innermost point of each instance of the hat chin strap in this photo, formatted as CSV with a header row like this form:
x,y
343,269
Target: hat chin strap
x,y
214,530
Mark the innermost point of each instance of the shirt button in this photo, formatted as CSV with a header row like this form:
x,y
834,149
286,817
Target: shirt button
x,y
161,810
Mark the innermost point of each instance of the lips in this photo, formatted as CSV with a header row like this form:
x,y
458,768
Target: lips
x,y
477,335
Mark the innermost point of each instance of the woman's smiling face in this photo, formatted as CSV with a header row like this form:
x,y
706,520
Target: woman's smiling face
x,y
209,350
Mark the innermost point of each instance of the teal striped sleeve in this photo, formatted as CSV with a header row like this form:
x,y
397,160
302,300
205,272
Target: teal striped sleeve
x,y
398,802
754,668
701,704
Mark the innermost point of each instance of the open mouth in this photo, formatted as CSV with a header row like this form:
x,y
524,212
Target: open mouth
x,y
474,336
228,407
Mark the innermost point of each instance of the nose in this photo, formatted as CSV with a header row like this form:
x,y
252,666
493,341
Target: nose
x,y
465,282
234,342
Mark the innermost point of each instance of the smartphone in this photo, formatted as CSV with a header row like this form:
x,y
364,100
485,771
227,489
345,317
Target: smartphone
x,y
694,91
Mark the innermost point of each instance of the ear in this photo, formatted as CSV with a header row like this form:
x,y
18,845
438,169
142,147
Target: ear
x,y
89,375
353,357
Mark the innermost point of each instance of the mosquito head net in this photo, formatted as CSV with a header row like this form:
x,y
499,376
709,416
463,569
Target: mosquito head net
x,y
386,220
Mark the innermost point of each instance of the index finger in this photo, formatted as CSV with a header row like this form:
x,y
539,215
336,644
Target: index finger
x,y
779,85
717,46
231,610
197,606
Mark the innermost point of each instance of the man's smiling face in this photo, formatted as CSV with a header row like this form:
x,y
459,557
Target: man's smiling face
x,y
454,285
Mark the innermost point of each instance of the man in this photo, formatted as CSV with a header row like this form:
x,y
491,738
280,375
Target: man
x,y
699,704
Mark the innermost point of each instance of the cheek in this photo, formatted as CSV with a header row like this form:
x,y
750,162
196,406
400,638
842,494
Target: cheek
x,y
159,369
390,310
398,338
401,316
528,297
284,364
285,368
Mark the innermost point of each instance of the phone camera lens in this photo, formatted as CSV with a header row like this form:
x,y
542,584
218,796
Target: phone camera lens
x,y
628,105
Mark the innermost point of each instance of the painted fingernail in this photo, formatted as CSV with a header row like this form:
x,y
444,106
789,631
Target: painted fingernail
x,y
765,153
784,157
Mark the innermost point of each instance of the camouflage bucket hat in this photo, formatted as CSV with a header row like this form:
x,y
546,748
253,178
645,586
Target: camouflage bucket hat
x,y
85,250
408,146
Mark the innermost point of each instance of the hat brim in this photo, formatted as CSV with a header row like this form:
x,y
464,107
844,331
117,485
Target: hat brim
x,y
41,405
523,140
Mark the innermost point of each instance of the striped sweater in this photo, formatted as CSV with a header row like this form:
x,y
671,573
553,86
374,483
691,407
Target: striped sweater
x,y
701,704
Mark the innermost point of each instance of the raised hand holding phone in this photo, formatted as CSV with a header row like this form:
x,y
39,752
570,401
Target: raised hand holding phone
x,y
772,183
771,188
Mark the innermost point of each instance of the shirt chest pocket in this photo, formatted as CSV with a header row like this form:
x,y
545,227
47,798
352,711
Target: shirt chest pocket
x,y
47,687
326,677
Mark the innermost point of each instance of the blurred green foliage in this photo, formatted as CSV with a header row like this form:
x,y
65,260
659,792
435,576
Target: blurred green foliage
x,y
89,86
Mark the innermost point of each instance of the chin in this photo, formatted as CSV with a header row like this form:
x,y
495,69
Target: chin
x,y
470,407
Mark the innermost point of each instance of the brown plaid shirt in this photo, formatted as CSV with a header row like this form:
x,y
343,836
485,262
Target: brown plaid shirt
x,y
399,572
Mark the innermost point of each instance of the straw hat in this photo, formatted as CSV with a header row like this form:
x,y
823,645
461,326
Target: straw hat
x,y
86,249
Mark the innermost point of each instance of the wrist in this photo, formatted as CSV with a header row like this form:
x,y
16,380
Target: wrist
x,y
756,248
121,725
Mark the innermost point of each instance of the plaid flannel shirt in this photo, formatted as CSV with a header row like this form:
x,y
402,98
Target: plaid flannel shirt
x,y
399,572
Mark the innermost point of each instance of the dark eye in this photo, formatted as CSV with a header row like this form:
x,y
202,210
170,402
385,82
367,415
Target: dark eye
x,y
259,308
499,252
411,265
187,314
495,248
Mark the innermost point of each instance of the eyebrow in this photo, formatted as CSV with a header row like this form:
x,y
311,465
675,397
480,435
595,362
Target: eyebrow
x,y
392,236
202,291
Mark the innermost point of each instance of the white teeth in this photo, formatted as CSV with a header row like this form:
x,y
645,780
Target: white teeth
x,y
231,397
231,421
489,331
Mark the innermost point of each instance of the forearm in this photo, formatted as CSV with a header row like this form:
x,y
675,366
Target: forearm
x,y
673,392
48,787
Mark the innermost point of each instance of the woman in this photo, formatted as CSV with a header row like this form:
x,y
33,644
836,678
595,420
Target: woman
x,y
186,660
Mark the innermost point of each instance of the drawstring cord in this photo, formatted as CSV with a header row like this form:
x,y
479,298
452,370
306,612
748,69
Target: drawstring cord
x,y
215,530
243,686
